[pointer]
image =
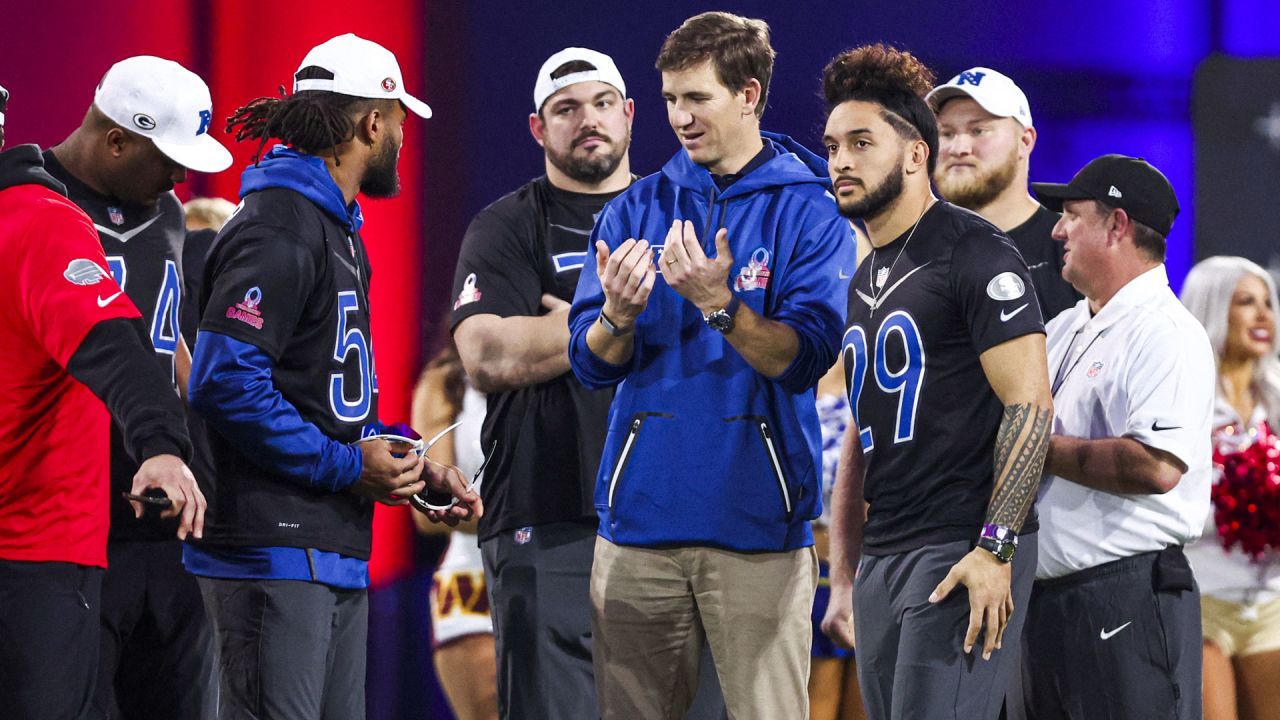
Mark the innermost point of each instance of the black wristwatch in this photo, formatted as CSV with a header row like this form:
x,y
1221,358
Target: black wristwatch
x,y
722,319
612,329
999,541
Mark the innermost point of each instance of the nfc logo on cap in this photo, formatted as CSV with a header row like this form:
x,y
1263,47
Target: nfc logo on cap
x,y
970,78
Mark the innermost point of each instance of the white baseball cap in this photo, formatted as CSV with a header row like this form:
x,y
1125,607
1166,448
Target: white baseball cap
x,y
605,72
361,68
167,103
995,92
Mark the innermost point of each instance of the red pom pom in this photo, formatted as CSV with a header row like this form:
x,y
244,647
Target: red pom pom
x,y
1246,498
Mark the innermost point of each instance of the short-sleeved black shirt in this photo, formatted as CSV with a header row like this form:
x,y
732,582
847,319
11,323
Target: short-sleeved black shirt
x,y
927,415
144,248
549,436
1044,256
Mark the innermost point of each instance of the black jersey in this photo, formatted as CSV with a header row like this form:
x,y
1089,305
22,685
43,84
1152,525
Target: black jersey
x,y
1044,256
144,252
284,276
549,437
921,311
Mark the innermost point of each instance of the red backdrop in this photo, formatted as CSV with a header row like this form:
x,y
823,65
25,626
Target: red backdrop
x,y
245,50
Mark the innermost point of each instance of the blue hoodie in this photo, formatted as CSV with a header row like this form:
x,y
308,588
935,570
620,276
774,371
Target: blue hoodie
x,y
702,449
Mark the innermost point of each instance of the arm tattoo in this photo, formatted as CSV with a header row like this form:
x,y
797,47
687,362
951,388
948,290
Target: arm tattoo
x,y
1021,446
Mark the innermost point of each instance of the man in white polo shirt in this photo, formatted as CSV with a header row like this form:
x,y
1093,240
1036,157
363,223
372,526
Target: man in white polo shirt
x,y
1113,629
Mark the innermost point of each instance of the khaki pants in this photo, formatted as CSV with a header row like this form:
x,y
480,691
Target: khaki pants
x,y
653,607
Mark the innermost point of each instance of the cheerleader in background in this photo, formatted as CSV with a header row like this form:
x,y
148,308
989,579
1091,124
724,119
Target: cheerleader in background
x,y
462,628
1235,299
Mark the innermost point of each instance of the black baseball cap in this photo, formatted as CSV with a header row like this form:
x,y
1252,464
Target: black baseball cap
x,y
1131,184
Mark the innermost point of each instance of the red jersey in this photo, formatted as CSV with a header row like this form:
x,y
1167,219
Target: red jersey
x,y
54,287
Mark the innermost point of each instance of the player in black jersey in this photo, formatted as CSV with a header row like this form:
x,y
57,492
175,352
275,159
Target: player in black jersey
x,y
945,362
516,273
284,377
120,167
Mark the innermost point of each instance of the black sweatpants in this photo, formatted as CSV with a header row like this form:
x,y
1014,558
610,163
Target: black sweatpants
x,y
158,659
48,639
1118,641
289,650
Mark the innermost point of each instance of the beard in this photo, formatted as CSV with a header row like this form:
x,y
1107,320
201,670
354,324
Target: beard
x,y
593,168
980,188
876,199
381,179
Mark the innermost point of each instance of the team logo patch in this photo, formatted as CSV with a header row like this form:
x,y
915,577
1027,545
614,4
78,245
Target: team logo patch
x,y
755,276
83,271
246,311
469,292
116,215
1006,286
144,121
523,535
1094,369
388,84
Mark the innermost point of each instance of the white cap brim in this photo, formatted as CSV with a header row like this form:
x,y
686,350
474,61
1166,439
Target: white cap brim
x,y
204,155
416,106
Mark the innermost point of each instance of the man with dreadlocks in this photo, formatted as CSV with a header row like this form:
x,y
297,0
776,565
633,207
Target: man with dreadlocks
x,y
284,377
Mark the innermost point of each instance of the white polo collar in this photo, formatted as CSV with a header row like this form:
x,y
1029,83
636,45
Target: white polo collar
x,y
1134,293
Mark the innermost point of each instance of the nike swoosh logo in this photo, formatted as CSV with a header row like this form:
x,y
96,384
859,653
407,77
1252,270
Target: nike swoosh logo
x,y
1005,317
104,303
842,275
1105,634
1155,425
1038,265
875,303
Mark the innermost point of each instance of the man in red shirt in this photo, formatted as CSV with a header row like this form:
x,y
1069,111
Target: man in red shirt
x,y
73,350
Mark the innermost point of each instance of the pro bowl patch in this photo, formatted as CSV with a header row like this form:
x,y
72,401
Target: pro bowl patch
x,y
470,293
83,271
247,310
1006,286
756,274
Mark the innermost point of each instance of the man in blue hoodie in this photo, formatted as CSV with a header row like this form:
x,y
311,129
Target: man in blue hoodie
x,y
709,477
284,377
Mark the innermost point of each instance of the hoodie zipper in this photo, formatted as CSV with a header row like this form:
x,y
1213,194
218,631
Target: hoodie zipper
x,y
777,466
625,455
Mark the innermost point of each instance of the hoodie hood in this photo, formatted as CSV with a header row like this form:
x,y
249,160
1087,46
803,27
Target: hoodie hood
x,y
792,164
23,165
305,174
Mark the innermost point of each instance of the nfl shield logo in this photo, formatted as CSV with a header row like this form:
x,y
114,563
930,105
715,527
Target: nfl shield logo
x,y
116,216
523,535
1094,369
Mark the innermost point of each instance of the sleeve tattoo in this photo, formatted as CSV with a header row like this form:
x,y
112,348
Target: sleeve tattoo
x,y
1021,446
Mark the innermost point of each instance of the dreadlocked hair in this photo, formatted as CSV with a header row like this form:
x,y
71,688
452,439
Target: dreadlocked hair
x,y
313,121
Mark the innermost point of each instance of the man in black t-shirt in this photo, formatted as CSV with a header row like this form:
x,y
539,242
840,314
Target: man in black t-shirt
x,y
985,139
945,364
120,167
517,272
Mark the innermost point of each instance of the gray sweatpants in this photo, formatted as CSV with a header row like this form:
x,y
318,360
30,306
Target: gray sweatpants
x,y
289,649
911,660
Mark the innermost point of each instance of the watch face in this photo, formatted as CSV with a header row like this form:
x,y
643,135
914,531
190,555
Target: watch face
x,y
720,320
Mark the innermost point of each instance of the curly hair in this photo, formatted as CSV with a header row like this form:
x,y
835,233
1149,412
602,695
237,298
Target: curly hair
x,y
738,48
895,80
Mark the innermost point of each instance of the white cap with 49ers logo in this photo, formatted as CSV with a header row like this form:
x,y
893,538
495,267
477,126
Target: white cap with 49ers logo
x,y
360,68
